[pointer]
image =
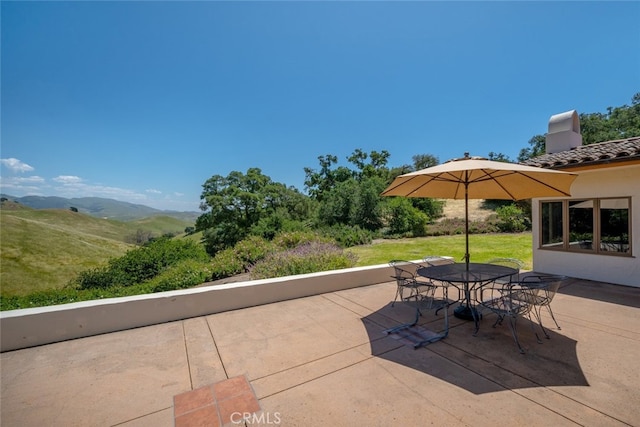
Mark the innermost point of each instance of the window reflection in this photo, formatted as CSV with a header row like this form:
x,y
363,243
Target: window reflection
x,y
587,225
580,225
552,224
614,225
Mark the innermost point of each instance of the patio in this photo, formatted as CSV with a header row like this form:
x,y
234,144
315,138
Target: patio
x,y
324,360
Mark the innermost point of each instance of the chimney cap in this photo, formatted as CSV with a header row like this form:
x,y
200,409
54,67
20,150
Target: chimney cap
x,y
562,122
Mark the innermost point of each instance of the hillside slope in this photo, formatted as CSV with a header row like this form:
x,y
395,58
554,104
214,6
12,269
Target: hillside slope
x,y
455,209
100,207
45,248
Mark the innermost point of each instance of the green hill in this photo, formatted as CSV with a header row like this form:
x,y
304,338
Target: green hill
x,y
100,207
45,248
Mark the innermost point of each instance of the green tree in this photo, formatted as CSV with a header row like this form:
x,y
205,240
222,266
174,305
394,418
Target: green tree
x,y
319,182
404,219
423,161
536,148
617,123
234,204
499,157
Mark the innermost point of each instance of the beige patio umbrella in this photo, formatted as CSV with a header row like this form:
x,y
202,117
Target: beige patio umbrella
x,y
478,178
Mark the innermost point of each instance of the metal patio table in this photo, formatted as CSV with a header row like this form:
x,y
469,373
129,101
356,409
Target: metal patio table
x,y
466,280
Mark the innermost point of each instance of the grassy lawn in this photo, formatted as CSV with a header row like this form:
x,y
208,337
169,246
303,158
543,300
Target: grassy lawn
x,y
482,247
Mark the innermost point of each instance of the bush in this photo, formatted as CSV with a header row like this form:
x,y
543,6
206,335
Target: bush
x,y
511,219
404,219
252,249
452,226
95,278
225,263
348,235
141,264
290,240
305,258
185,274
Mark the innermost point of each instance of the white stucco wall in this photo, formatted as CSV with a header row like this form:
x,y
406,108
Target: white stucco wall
x,y
607,182
44,325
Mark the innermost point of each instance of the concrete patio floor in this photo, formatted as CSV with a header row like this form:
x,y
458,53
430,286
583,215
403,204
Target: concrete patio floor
x,y
325,361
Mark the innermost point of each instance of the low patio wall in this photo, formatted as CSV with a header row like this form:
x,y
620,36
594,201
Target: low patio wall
x,y
37,326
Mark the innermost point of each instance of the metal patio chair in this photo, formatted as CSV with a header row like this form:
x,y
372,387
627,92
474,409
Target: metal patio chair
x,y
507,300
407,281
433,260
541,291
509,262
421,296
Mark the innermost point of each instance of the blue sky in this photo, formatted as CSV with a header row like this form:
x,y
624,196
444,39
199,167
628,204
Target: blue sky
x,y
144,101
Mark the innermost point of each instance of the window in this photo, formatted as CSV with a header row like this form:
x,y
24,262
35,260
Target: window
x,y
581,228
586,225
552,224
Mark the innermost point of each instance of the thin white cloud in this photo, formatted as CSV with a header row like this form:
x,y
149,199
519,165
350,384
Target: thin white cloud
x,y
71,186
22,185
16,165
68,179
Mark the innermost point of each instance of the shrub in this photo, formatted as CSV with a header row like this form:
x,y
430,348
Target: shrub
x,y
225,263
292,239
452,226
185,274
511,219
404,219
95,278
305,258
141,264
252,249
348,235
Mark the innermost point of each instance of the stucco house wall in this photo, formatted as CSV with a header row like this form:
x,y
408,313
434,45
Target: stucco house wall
x,y
620,181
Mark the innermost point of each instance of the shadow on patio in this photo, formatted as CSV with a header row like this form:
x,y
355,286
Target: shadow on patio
x,y
491,354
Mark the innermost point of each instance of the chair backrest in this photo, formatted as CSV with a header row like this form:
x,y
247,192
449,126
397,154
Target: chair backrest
x,y
432,260
404,271
543,287
507,262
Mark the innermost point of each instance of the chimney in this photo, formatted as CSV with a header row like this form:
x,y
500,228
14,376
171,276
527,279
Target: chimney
x,y
564,132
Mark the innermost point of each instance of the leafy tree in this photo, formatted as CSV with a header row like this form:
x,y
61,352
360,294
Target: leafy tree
x,y
336,205
499,157
616,123
536,148
404,219
366,211
423,161
319,182
236,203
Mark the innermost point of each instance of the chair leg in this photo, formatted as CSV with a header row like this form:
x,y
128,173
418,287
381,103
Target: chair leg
x,y
532,321
553,317
538,313
398,294
514,332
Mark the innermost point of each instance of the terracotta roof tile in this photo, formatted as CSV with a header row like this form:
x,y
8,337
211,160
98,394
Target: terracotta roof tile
x,y
592,154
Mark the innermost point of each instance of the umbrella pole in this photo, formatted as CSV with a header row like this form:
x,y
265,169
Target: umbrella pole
x,y
466,218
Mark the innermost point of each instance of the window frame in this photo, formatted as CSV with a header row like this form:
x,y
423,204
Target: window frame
x,y
596,244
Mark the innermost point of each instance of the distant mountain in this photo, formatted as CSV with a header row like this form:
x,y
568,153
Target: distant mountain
x,y
100,207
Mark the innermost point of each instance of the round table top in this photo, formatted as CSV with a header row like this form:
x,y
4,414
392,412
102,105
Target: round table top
x,y
458,273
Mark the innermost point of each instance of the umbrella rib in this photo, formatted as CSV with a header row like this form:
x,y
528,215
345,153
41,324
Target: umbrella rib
x,y
407,181
547,185
490,175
